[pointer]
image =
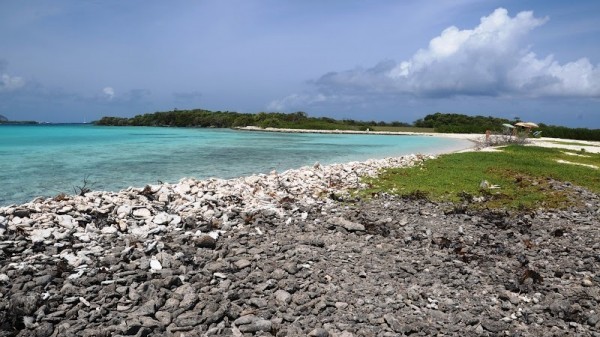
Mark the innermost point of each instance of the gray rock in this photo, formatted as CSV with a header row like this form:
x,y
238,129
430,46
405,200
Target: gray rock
x,y
25,304
189,300
189,318
393,323
164,317
205,241
283,297
291,267
246,319
171,304
148,322
593,320
319,332
493,326
22,212
215,316
258,302
257,325
242,263
347,224
146,309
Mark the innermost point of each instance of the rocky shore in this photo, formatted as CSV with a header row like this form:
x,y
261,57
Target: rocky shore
x,y
293,254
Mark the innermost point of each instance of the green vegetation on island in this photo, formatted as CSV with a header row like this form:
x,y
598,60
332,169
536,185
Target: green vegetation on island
x,y
227,119
438,122
523,175
457,123
4,120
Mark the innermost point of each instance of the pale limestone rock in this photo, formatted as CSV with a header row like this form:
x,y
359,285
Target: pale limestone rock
x,y
39,235
60,235
142,213
108,230
175,220
66,221
161,218
123,210
83,237
182,188
141,231
155,265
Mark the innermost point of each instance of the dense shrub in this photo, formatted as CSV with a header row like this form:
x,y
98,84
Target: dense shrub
x,y
457,123
440,122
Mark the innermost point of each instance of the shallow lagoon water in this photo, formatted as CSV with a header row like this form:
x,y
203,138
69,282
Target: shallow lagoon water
x,y
45,160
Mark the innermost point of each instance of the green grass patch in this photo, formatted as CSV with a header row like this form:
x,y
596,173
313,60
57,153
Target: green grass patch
x,y
523,173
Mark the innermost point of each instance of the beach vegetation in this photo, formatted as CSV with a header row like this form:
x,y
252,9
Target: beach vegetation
x,y
5,120
459,123
84,188
228,119
437,122
554,131
518,177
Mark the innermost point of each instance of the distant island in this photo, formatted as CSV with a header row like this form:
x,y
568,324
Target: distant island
x,y
5,120
437,122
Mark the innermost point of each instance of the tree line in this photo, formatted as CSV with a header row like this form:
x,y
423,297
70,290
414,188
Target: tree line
x,y
458,123
438,122
5,120
228,119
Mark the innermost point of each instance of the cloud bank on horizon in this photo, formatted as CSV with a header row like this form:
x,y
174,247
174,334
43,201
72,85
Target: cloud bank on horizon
x,y
491,59
70,61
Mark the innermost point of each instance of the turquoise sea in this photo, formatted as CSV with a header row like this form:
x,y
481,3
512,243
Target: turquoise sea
x,y
45,160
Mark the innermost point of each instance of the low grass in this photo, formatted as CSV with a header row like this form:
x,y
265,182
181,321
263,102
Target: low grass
x,y
523,173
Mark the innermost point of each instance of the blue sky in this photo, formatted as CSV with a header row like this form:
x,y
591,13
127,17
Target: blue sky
x,y
74,61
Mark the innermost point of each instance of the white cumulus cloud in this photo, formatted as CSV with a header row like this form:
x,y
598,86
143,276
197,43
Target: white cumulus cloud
x,y
109,92
493,59
10,83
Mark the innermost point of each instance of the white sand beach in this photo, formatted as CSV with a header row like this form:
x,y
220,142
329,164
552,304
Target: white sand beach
x,y
567,144
466,136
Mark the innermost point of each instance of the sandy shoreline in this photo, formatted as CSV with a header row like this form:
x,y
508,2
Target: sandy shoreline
x,y
576,145
465,136
472,138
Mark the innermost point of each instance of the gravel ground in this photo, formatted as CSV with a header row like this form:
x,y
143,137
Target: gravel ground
x,y
383,267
